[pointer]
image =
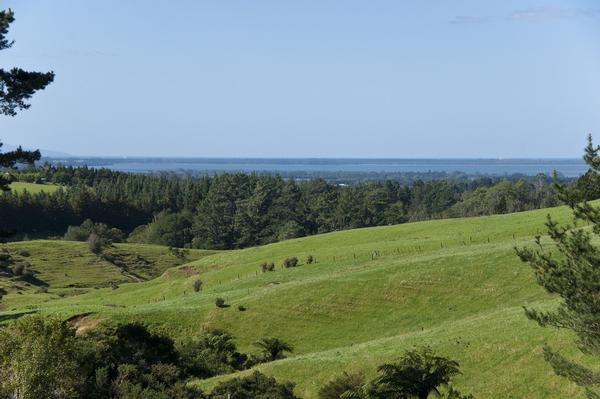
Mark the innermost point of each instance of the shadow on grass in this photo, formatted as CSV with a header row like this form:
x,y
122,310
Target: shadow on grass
x,y
14,316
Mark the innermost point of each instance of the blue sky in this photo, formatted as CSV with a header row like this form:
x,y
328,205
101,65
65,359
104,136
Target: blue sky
x,y
309,78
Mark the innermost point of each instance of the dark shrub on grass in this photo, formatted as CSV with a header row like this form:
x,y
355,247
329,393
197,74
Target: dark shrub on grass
x,y
267,267
290,262
254,386
18,269
94,243
273,348
309,259
24,253
348,385
212,354
242,308
220,303
197,285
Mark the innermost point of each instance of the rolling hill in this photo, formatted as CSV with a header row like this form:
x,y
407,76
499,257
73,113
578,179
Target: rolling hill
x,y
454,284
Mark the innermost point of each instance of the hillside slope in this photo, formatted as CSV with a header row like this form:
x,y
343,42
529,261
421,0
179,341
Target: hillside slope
x,y
67,268
373,293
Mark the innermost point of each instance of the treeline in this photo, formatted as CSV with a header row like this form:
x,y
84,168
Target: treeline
x,y
241,210
46,358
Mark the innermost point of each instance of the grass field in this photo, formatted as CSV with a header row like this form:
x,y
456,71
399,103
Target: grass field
x,y
33,188
456,285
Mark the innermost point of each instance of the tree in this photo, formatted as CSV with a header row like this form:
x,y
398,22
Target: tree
x,y
344,386
16,87
418,374
254,386
197,285
95,243
273,348
37,359
214,353
574,275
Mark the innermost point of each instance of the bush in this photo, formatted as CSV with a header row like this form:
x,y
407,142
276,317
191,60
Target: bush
x,y
179,253
267,267
256,385
290,262
94,243
273,349
87,228
18,270
167,228
197,285
309,259
24,253
220,302
242,308
345,384
211,354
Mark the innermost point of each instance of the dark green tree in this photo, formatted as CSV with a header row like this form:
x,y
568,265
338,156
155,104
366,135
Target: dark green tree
x,y
16,85
273,348
254,386
574,275
347,385
417,375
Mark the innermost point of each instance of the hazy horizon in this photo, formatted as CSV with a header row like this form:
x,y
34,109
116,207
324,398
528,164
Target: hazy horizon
x,y
422,80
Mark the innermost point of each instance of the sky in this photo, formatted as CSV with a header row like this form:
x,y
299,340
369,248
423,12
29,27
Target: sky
x,y
315,78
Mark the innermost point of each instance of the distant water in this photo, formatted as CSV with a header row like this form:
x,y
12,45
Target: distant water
x,y
497,167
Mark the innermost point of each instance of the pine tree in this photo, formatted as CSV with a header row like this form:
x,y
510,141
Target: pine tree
x,y
16,87
574,275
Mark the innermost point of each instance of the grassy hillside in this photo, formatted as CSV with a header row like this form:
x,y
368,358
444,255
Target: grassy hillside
x,y
33,188
454,284
68,268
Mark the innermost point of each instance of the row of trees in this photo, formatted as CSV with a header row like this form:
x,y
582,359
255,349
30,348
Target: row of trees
x,y
241,210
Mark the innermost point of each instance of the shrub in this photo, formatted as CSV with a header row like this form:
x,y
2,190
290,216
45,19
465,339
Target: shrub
x,y
256,385
94,243
24,253
267,267
87,228
220,302
273,348
242,308
197,285
18,270
290,262
349,385
309,259
179,253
